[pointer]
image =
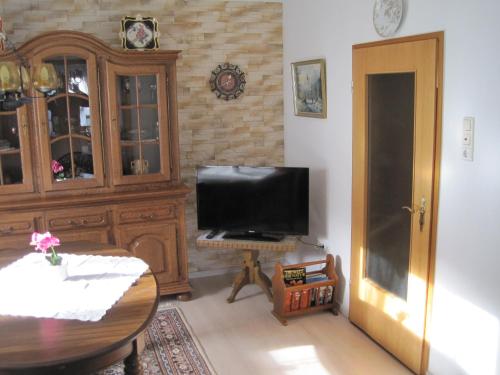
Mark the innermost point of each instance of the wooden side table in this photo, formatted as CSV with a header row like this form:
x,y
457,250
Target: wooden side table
x,y
251,272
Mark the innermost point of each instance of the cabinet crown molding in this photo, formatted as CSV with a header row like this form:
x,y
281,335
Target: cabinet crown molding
x,y
68,38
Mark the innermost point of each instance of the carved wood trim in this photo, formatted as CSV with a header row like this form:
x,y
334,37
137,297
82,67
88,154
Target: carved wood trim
x,y
89,42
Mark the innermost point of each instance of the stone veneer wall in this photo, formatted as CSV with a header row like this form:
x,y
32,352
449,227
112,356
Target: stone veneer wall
x,y
246,131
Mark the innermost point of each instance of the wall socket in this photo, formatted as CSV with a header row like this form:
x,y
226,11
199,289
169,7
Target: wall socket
x,y
324,244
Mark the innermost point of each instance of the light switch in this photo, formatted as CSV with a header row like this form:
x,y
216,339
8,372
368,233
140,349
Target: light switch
x,y
468,123
468,138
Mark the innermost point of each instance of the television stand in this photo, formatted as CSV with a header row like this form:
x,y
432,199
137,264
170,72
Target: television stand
x,y
253,236
251,272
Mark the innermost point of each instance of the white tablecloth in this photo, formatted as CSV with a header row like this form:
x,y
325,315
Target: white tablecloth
x,y
31,286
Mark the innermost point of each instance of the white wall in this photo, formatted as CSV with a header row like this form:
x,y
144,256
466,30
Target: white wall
x,y
465,326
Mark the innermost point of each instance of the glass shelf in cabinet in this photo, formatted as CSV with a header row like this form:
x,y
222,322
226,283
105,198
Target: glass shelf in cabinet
x,y
10,151
136,142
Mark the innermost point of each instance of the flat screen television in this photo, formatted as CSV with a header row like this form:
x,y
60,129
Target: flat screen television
x,y
259,203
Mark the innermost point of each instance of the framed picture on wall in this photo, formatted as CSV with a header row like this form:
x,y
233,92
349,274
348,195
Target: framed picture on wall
x,y
309,88
139,33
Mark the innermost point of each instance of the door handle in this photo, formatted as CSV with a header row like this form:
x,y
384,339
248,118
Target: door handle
x,y
421,213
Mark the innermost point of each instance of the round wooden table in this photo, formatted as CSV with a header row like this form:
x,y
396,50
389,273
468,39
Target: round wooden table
x,y
58,346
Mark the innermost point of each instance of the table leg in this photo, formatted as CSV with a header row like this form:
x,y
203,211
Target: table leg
x,y
240,281
132,363
251,274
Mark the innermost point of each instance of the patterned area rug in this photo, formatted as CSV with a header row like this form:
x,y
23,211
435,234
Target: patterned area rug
x,y
171,348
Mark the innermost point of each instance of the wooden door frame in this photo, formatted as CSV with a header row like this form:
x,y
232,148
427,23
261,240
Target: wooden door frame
x,y
439,37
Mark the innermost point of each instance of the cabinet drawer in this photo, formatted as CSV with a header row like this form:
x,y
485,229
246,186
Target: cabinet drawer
x,y
141,214
17,224
16,242
96,235
77,219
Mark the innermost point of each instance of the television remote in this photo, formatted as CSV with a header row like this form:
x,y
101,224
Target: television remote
x,y
212,234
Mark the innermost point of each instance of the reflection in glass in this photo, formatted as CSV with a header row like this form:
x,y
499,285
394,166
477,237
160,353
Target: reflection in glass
x,y
45,78
390,178
9,132
11,171
11,168
149,123
151,153
127,94
77,76
58,63
147,90
61,152
57,117
82,158
128,124
80,116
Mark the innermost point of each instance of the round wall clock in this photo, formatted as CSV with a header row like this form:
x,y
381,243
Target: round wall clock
x,y
227,81
387,16
139,33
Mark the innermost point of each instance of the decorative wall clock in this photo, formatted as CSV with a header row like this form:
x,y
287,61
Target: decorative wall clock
x,y
139,33
227,81
387,16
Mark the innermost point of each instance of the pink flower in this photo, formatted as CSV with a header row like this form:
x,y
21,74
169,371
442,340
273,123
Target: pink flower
x,y
43,242
56,166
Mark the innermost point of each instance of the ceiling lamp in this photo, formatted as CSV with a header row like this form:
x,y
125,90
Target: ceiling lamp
x,y
15,81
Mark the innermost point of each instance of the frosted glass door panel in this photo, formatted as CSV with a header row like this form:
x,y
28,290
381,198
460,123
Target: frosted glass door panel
x,y
390,179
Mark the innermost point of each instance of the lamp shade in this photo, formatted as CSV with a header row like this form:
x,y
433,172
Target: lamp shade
x,y
44,77
10,79
25,79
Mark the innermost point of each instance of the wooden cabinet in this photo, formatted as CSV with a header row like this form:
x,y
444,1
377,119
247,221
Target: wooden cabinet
x,y
112,125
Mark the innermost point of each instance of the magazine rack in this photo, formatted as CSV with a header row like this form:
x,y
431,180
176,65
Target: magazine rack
x,y
283,294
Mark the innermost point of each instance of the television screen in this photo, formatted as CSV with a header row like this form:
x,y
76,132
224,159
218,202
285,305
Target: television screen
x,y
253,200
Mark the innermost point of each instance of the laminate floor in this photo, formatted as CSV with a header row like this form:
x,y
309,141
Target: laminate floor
x,y
244,338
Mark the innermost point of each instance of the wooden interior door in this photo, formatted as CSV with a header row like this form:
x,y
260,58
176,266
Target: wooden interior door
x,y
395,176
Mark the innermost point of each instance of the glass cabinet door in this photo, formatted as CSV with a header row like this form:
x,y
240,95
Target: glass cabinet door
x,y
140,139
15,162
72,157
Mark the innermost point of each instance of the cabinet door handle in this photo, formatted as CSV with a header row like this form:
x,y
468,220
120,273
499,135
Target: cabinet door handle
x,y
147,217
